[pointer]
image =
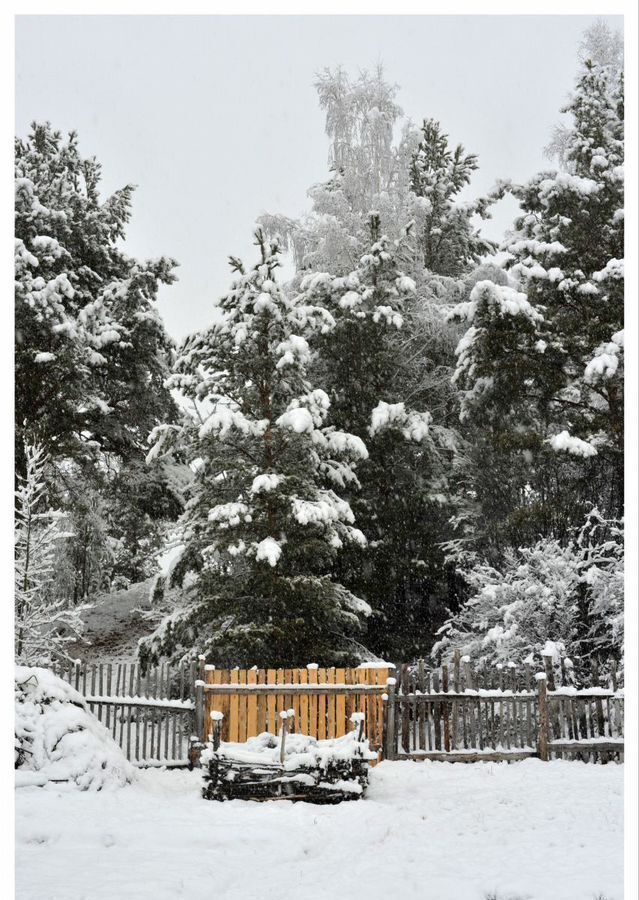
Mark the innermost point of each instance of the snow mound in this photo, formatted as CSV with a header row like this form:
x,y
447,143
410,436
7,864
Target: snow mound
x,y
58,740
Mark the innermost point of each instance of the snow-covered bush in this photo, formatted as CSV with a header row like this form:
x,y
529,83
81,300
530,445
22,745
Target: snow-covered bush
x,y
569,596
57,738
601,550
513,611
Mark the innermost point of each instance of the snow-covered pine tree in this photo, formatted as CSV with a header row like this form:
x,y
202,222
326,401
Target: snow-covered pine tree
x,y
91,349
541,363
43,624
448,242
265,518
361,365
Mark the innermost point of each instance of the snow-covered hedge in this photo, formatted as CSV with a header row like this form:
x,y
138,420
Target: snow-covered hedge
x,y
57,738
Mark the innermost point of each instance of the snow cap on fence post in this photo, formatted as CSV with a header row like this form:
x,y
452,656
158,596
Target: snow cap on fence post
x,y
217,718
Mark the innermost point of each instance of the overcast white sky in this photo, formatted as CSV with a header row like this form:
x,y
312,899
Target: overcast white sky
x,y
216,119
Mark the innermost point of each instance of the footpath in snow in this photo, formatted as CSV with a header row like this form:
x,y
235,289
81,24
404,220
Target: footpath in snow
x,y
426,831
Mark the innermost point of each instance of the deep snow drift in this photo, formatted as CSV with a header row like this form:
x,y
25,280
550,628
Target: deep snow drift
x,y
57,738
426,831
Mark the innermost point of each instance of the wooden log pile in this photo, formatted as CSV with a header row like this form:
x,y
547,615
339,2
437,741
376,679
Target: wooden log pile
x,y
270,768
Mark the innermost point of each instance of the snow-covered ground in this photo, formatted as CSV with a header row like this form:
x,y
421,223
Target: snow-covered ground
x,y
114,625
426,831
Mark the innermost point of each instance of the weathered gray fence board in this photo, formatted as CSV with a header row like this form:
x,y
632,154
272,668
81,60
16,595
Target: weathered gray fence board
x,y
499,714
149,714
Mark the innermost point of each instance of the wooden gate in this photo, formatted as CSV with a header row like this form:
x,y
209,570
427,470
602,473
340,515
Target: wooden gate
x,y
322,700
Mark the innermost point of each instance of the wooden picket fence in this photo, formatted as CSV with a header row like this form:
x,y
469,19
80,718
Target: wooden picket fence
x,y
460,713
322,699
499,713
149,713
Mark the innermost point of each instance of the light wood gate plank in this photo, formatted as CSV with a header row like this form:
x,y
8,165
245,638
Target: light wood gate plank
x,y
303,720
312,705
321,707
242,708
234,709
331,701
295,724
340,705
251,710
271,702
261,703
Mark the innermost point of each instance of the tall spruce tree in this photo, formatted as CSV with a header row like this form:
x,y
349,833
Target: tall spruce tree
x,y
541,364
399,504
265,519
414,181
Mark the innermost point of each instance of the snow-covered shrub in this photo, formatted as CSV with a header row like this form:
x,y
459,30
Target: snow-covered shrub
x,y
570,597
601,551
57,738
511,613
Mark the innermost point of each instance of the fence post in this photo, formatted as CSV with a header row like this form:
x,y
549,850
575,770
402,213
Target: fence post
x,y
457,689
457,670
613,675
445,709
470,674
389,720
199,737
542,738
199,698
283,718
550,675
